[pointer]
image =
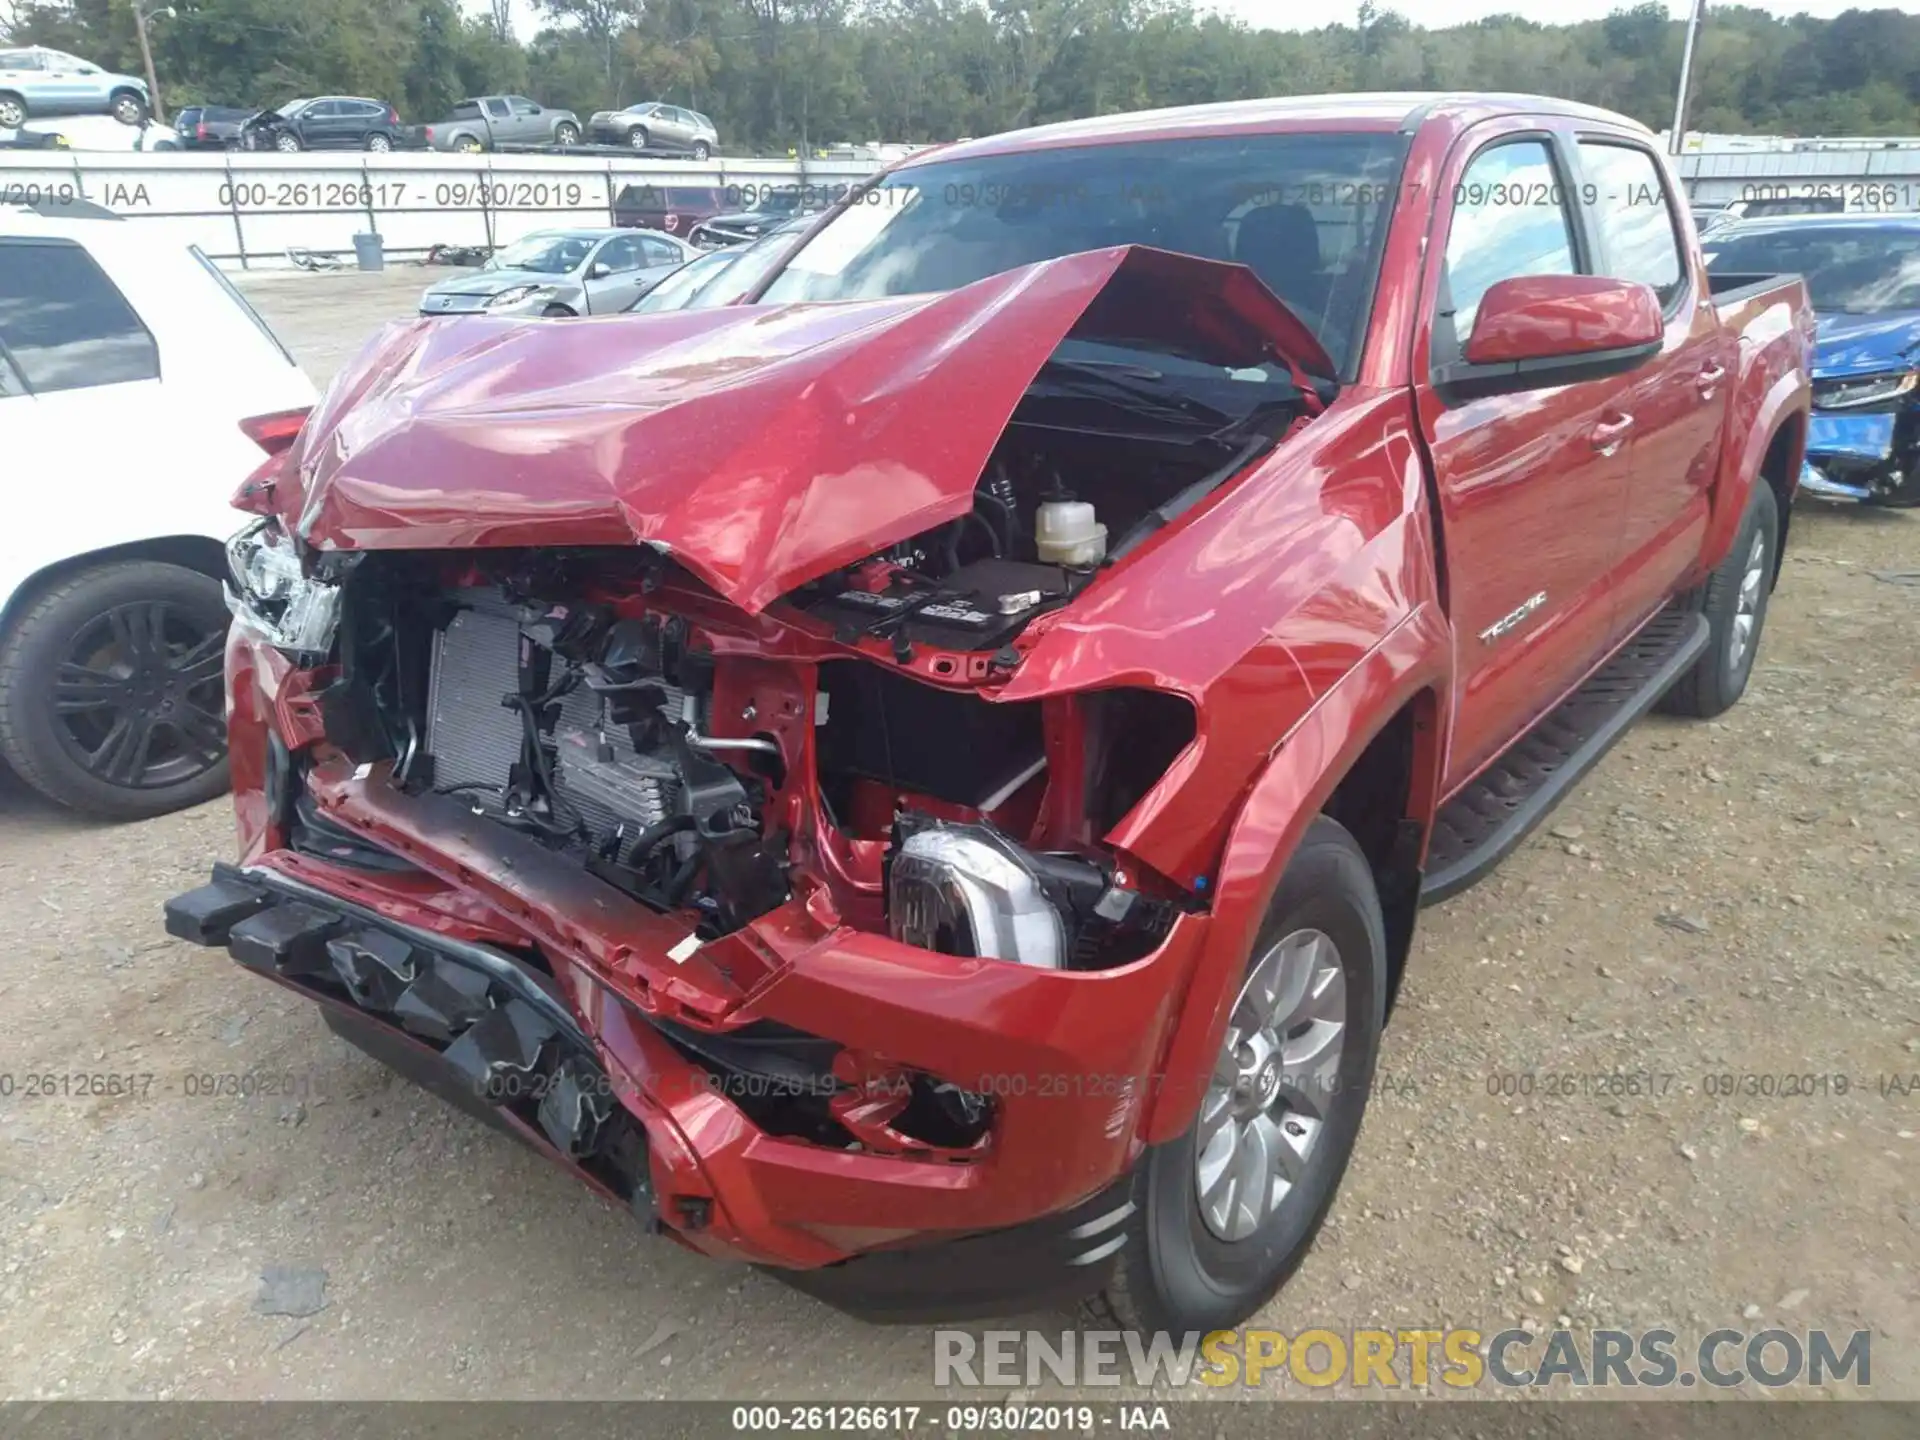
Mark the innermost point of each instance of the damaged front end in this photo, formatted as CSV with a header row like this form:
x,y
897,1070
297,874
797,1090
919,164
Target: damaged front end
x,y
723,866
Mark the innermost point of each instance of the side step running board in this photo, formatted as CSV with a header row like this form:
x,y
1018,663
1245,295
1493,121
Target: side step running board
x,y
1480,826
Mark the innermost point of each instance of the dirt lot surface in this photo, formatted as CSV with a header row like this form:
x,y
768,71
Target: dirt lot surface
x,y
1721,901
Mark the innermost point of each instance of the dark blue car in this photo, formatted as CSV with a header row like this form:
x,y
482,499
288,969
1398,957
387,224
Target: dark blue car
x,y
1864,274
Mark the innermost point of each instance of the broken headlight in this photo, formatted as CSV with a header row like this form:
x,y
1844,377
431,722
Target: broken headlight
x,y
269,591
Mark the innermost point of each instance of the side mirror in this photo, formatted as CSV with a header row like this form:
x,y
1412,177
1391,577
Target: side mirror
x,y
1533,331
600,270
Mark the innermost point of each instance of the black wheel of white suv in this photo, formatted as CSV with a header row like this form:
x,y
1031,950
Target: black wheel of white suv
x,y
1226,1213
111,690
1734,600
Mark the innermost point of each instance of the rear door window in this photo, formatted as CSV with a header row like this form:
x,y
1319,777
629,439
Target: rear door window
x,y
1633,217
660,252
64,324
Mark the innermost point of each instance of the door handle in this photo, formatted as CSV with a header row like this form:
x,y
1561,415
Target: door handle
x,y
1609,435
1709,380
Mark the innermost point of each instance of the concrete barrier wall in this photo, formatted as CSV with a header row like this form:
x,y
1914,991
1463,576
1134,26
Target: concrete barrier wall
x,y
245,210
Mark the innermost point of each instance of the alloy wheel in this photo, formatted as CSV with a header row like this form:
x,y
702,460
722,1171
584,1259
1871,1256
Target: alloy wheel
x,y
1273,1084
1746,609
138,698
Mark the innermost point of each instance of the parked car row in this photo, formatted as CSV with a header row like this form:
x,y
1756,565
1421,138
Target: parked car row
x,y
36,81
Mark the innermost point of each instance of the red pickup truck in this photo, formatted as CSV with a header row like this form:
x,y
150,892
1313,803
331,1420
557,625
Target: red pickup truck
x,y
925,781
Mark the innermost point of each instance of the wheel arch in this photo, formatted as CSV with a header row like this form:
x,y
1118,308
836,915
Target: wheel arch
x,y
1373,739
199,553
1780,469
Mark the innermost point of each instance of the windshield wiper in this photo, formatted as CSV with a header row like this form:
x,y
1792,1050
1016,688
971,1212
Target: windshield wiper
x,y
1184,500
1130,391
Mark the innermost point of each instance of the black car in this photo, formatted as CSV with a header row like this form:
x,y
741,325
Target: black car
x,y
210,127
328,122
770,207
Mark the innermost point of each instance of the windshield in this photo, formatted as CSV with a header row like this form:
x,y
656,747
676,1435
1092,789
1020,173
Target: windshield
x,y
678,289
1851,270
1306,212
543,254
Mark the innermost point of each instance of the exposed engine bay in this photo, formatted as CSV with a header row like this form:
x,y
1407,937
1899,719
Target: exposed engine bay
x,y
717,764
1098,457
710,782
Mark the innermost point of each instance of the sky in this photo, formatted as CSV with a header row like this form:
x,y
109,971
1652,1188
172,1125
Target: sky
x,y
1292,15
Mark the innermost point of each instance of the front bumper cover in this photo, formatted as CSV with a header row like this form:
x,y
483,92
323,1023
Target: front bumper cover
x,y
1865,457
630,1115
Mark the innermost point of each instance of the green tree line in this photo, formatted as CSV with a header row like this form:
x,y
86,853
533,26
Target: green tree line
x,y
777,74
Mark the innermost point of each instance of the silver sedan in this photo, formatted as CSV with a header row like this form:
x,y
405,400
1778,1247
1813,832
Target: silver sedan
x,y
562,272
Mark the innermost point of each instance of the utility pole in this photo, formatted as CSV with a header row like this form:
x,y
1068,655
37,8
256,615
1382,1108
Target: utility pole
x,y
146,57
1677,136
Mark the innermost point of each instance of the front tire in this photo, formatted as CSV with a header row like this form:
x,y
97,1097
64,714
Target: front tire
x,y
1734,600
637,138
287,143
13,112
1226,1213
111,690
566,135
128,108
556,312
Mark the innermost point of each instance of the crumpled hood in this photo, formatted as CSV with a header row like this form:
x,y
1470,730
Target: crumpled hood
x,y
1865,344
761,446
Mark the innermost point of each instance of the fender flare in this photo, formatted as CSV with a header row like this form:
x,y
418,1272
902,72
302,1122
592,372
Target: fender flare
x,y
1785,402
1300,774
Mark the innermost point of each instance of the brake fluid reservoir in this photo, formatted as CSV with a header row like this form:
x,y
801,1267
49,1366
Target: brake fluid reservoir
x,y
1066,533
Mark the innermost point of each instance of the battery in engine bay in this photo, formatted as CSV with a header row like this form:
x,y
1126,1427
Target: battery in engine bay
x,y
978,607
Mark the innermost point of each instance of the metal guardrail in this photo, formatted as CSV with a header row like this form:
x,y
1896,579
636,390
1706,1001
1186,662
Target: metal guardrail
x,y
248,210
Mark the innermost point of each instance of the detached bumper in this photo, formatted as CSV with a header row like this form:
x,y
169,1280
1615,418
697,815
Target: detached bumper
x,y
1861,457
582,1074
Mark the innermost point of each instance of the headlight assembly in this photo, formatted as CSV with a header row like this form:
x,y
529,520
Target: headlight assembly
x,y
514,296
1871,391
269,592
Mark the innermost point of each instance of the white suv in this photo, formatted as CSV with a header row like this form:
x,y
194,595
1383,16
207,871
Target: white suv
x,y
127,365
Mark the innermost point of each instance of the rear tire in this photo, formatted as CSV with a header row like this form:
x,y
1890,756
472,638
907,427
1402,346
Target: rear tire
x,y
1207,1262
701,150
125,660
13,112
379,144
1734,600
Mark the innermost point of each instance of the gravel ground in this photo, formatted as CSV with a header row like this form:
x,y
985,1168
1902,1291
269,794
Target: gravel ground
x,y
1737,899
